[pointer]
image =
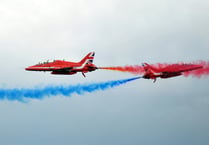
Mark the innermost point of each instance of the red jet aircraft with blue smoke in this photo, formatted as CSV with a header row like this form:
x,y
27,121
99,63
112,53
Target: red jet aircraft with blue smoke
x,y
167,71
62,67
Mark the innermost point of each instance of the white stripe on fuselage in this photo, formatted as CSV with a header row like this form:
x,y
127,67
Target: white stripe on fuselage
x,y
45,67
157,73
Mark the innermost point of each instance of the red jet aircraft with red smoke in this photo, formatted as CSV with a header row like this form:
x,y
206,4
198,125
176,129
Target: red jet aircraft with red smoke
x,y
167,71
61,67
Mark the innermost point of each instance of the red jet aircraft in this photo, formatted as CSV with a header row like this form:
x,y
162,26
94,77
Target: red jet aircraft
x,y
62,67
168,71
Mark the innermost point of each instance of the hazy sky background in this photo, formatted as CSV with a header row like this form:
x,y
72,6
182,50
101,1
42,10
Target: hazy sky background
x,y
168,112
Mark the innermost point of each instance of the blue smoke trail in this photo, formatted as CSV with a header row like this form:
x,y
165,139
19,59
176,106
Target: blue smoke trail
x,y
40,93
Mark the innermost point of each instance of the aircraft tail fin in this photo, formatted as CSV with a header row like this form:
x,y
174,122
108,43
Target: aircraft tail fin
x,y
149,67
88,59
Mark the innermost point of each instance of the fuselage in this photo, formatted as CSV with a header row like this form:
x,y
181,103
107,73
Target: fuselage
x,y
62,67
168,71
50,66
163,75
66,67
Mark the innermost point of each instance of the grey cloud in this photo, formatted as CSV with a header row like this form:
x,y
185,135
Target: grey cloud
x,y
172,111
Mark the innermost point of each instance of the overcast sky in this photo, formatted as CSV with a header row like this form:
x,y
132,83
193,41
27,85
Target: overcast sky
x,y
168,112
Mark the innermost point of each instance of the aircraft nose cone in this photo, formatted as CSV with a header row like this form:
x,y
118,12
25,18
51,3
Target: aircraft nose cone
x,y
29,68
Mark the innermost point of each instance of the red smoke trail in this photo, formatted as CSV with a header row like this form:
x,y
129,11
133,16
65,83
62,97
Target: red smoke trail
x,y
160,67
136,69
